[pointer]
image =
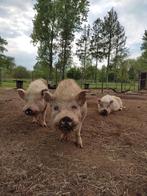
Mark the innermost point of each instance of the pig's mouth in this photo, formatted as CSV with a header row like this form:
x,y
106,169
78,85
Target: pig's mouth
x,y
66,125
67,128
104,113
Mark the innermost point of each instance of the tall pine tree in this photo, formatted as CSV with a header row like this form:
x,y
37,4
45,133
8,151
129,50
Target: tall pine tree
x,y
45,31
114,39
83,48
97,43
72,14
144,50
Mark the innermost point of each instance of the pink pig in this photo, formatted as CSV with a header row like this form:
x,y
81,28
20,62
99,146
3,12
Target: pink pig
x,y
36,105
68,109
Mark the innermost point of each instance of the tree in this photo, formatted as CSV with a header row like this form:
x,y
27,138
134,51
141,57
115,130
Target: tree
x,y
83,48
3,43
72,14
40,71
143,58
144,44
115,39
97,43
45,31
21,72
6,62
120,52
74,73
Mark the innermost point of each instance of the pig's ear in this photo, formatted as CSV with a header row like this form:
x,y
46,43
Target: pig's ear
x,y
43,92
81,97
48,96
21,93
111,101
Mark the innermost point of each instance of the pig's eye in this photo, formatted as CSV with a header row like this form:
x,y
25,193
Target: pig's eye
x,y
101,104
56,108
74,107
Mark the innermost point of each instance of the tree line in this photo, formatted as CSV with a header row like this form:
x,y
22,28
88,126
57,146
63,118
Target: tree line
x,y
55,25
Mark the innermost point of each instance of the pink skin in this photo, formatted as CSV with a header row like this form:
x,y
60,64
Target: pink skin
x,y
104,106
37,105
74,109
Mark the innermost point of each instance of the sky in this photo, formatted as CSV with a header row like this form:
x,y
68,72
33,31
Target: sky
x,y
16,25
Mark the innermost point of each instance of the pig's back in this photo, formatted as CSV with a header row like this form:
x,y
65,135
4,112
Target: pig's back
x,y
67,89
106,98
118,99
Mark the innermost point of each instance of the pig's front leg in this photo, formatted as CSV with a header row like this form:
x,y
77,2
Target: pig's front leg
x,y
35,120
43,119
78,137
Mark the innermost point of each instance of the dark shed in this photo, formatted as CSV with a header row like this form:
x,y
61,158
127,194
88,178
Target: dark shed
x,y
143,80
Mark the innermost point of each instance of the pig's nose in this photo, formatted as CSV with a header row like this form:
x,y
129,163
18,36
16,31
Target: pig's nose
x,y
28,112
66,124
104,112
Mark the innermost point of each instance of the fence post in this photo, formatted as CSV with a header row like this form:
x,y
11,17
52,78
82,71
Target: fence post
x,y
102,89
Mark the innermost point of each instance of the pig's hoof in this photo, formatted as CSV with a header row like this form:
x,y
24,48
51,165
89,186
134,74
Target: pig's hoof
x,y
35,121
44,124
79,145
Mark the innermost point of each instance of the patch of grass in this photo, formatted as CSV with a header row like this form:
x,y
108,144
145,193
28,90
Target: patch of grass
x,y
12,83
126,86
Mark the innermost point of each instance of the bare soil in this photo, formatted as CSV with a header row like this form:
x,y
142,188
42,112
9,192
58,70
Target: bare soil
x,y
113,162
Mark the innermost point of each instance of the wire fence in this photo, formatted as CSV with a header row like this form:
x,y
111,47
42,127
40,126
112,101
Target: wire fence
x,y
126,86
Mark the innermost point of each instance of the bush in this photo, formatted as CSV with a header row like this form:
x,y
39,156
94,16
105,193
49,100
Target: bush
x,y
21,72
74,73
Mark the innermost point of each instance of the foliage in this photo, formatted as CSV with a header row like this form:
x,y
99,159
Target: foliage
x,y
6,62
72,14
83,48
74,73
115,40
21,72
143,59
55,23
45,31
97,43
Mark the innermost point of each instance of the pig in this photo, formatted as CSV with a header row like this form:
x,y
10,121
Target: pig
x,y
36,105
108,104
68,109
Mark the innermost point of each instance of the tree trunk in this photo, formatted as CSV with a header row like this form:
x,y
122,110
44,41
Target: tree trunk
x,y
96,71
121,80
51,54
85,52
108,60
56,76
64,60
102,89
0,76
121,85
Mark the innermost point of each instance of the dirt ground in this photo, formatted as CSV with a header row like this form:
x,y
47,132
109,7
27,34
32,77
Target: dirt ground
x,y
113,161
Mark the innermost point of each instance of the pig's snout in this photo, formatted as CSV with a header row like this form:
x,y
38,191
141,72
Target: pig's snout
x,y
66,124
28,112
104,112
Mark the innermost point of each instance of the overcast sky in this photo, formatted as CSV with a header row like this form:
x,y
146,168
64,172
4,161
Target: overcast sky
x,y
16,25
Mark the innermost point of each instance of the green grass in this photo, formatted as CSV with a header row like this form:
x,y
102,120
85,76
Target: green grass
x,y
126,86
12,83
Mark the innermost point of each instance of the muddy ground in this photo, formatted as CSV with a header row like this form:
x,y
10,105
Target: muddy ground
x,y
113,161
